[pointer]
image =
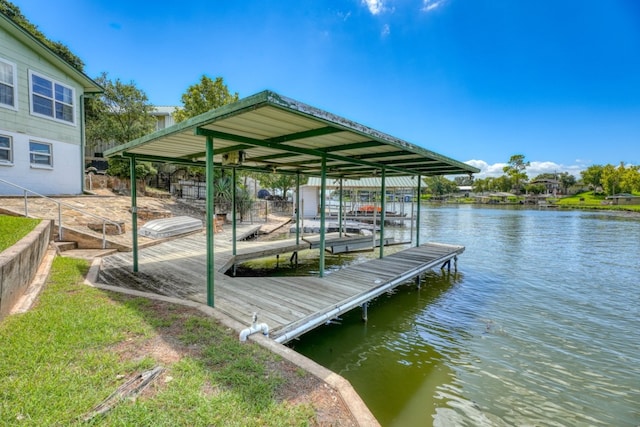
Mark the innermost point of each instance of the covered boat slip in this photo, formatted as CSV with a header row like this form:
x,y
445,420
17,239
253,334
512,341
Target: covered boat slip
x,y
270,133
290,306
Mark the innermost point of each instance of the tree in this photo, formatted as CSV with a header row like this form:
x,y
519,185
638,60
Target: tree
x,y
630,179
121,114
592,176
516,170
566,181
438,185
503,183
13,12
611,177
204,96
277,182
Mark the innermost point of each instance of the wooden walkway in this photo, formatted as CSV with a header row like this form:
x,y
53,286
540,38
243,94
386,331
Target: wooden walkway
x,y
290,306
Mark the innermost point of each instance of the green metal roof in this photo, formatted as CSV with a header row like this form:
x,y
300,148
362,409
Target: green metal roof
x,y
279,134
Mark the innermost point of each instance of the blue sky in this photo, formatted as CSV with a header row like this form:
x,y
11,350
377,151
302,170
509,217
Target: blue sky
x,y
476,80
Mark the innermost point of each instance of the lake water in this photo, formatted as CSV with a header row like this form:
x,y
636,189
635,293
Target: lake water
x,y
539,326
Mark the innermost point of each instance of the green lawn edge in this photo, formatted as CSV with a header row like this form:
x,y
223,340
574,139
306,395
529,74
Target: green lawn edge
x,y
67,354
14,228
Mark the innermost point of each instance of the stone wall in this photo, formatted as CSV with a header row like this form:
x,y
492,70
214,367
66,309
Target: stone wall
x,y
19,263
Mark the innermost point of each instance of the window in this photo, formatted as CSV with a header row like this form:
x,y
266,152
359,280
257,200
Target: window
x,y
51,99
6,149
40,154
7,84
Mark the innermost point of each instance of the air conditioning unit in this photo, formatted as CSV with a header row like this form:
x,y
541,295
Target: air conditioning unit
x,y
233,158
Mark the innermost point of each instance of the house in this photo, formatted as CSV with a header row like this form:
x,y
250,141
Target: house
x,y
624,199
41,116
94,158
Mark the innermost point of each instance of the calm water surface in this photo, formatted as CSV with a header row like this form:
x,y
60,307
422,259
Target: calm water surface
x,y
540,325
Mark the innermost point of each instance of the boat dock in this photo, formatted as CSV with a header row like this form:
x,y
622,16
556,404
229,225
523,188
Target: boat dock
x,y
290,306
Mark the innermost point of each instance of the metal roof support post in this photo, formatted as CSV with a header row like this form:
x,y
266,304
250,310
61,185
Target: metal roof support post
x,y
418,211
134,211
383,207
210,219
323,195
233,210
298,208
340,211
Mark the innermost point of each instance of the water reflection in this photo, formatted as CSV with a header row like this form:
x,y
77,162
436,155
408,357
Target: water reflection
x,y
542,327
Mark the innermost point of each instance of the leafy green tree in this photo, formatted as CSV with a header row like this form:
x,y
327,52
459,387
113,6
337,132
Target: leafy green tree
x,y
120,167
611,177
516,171
630,179
277,182
535,188
204,96
119,115
592,176
566,181
503,183
438,185
13,12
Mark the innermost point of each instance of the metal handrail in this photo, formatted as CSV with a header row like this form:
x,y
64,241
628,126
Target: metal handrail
x,y
67,205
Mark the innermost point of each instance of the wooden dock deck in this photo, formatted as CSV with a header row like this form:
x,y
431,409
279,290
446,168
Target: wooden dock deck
x,y
290,306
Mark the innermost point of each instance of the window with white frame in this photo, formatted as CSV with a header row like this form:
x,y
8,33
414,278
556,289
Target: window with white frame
x,y
51,99
7,84
6,149
40,154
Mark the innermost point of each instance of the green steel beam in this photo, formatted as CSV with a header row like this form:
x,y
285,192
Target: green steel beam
x,y
298,208
383,209
352,146
161,159
286,148
134,211
305,134
233,211
210,223
418,211
384,154
323,214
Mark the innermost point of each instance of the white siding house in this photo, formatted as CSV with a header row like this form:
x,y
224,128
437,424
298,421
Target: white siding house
x,y
41,116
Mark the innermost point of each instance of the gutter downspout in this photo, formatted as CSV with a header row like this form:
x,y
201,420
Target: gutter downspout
x,y
83,141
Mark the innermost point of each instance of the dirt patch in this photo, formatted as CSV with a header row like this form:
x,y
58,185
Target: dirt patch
x,y
166,347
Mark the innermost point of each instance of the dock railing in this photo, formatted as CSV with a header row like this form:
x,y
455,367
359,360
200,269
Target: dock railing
x,y
26,193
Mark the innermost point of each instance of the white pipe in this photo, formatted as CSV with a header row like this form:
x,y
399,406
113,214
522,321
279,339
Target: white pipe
x,y
255,327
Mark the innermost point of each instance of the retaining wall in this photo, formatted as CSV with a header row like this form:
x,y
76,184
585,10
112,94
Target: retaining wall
x,y
19,263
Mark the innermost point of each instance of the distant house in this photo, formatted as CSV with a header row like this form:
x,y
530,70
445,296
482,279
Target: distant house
x,y
93,153
41,115
624,199
551,186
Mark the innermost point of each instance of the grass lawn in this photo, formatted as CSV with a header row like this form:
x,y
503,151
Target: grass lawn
x,y
588,200
13,228
79,344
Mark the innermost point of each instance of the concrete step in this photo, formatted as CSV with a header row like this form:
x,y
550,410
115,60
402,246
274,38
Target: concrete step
x,y
87,253
66,246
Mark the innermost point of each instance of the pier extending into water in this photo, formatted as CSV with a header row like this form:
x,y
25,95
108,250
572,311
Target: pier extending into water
x,y
290,306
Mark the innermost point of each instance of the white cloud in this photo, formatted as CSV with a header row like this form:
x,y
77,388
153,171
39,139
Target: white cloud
x,y
430,5
374,6
385,30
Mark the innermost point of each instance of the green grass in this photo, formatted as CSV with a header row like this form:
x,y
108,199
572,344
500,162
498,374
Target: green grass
x,y
66,355
13,228
588,200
